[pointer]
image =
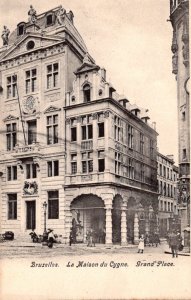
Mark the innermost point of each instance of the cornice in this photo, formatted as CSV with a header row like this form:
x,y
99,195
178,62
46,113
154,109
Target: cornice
x,y
115,103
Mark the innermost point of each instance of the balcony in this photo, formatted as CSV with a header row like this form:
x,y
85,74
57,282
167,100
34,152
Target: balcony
x,y
33,150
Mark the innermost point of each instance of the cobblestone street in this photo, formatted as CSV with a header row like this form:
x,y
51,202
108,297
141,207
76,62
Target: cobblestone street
x,y
14,249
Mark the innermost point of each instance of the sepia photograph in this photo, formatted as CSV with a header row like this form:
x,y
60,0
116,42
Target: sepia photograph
x,y
94,149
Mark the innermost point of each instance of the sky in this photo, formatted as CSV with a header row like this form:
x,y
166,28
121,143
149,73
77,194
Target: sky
x,y
132,41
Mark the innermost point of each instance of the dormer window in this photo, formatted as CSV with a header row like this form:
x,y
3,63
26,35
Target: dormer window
x,y
87,93
50,18
21,29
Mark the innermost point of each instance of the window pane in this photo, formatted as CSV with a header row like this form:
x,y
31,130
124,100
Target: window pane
x,y
90,132
28,167
55,128
90,165
34,171
73,134
55,67
8,142
83,132
8,173
53,209
101,165
14,172
56,168
84,169
49,168
101,130
49,69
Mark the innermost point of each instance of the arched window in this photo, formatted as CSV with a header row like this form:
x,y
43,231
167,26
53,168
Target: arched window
x,y
87,93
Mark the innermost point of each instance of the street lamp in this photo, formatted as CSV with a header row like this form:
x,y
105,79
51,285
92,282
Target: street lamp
x,y
45,232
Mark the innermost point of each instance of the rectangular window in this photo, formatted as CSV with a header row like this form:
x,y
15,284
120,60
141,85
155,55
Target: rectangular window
x,y
87,162
118,133
152,149
11,86
31,171
53,205
141,143
87,132
52,76
142,173
73,163
30,81
32,130
12,206
101,129
130,168
12,173
53,168
130,136
73,134
117,163
11,135
52,129
101,161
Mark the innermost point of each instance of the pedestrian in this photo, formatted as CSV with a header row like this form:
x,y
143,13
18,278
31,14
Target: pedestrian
x,y
174,243
51,238
141,245
156,239
71,237
90,238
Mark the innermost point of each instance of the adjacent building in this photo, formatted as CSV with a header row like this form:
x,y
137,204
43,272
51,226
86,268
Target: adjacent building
x,y
179,17
69,141
167,188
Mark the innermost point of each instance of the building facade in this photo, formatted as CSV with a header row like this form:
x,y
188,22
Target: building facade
x,y
167,176
179,17
69,140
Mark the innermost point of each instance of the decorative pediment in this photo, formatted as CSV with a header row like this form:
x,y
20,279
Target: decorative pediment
x,y
10,118
30,42
51,109
86,67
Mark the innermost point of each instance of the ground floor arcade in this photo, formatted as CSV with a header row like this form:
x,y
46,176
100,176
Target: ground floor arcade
x,y
115,217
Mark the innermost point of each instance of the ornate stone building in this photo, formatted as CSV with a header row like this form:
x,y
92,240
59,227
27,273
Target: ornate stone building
x,y
179,17
167,176
69,140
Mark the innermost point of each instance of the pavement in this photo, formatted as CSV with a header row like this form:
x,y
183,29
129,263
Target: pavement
x,y
26,248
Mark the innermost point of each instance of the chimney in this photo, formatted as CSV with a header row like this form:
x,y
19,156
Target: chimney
x,y
154,125
103,73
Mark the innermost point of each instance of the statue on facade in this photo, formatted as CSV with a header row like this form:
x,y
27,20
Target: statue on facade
x,y
5,35
60,15
32,15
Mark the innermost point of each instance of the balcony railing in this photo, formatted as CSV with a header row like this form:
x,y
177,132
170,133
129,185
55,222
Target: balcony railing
x,y
87,145
27,150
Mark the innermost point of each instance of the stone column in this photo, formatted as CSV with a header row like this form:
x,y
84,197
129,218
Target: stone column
x,y
108,226
123,226
136,229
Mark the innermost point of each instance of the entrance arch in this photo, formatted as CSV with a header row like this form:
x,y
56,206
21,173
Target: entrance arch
x,y
88,212
131,209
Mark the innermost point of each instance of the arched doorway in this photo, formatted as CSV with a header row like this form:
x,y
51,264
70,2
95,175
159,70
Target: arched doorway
x,y
116,219
88,212
131,209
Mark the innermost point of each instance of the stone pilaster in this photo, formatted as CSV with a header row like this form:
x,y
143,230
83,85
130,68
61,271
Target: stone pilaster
x,y
108,226
123,227
136,229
